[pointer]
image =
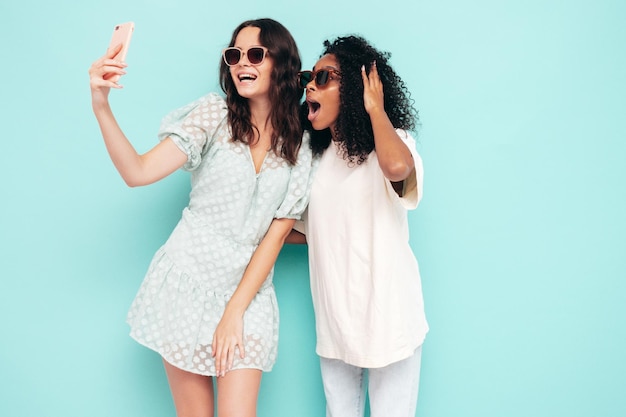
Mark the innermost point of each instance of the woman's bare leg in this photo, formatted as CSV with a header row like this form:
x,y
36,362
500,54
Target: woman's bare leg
x,y
237,393
192,393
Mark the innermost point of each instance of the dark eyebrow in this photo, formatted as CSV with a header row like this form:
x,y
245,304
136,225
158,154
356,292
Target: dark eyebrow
x,y
327,67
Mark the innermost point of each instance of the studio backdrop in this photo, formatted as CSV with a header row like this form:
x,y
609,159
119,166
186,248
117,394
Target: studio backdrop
x,y
520,235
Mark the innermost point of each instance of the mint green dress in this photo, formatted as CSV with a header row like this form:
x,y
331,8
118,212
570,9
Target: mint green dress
x,y
194,274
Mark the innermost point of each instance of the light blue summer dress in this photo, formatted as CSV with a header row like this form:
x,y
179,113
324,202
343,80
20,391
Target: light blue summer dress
x,y
194,274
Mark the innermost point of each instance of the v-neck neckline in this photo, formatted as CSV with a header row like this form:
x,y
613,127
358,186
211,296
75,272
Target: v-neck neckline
x,y
257,173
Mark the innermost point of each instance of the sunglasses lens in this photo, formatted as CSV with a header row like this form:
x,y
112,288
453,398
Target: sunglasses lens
x,y
232,56
255,55
322,77
305,77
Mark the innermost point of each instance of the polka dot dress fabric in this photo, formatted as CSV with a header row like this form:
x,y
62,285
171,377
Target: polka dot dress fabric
x,y
194,274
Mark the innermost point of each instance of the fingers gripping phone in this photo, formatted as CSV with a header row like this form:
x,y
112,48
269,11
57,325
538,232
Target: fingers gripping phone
x,y
122,34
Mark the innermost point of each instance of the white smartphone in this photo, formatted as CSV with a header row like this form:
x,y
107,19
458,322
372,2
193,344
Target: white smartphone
x,y
122,33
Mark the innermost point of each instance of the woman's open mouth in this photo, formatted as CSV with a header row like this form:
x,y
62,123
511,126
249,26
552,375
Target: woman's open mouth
x,y
246,78
314,108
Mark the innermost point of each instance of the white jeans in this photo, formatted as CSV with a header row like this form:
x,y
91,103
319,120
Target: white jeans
x,y
392,389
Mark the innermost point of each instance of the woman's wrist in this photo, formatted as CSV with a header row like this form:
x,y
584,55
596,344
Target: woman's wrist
x,y
99,103
234,308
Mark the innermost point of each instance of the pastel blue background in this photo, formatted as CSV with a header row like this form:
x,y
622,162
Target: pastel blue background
x,y
520,236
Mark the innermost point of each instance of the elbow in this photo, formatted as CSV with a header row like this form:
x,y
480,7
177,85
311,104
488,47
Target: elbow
x,y
134,181
131,184
281,229
286,233
397,171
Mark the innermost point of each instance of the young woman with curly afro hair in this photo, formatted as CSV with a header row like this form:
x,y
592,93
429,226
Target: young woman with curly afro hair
x,y
365,279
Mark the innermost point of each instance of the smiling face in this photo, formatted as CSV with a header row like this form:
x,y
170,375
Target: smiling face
x,y
324,101
252,81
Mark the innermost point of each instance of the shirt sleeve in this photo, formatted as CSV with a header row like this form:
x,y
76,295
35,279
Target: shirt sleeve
x,y
413,185
300,181
192,127
300,225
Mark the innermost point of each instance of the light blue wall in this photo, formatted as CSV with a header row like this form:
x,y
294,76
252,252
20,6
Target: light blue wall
x,y
520,235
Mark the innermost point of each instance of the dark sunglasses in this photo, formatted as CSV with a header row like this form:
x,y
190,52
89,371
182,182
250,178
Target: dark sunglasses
x,y
321,76
255,54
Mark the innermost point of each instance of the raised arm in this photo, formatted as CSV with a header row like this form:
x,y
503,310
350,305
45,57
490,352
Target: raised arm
x,y
134,168
229,331
394,156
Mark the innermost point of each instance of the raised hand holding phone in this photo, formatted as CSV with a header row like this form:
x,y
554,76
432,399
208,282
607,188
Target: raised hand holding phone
x,y
122,34
106,71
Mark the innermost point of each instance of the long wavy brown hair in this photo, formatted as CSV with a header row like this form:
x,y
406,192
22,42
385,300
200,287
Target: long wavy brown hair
x,y
285,94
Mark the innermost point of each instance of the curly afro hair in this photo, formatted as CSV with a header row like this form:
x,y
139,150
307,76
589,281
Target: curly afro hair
x,y
353,128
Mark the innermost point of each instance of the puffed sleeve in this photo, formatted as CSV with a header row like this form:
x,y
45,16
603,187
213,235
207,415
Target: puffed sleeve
x,y
413,185
300,181
193,127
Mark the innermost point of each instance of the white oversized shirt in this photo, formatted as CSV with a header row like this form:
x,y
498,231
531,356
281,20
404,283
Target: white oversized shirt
x,y
365,279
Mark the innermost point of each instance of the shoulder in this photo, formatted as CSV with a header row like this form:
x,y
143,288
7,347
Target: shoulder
x,y
213,101
213,98
306,140
209,110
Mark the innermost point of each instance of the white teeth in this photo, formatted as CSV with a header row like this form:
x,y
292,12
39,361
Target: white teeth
x,y
244,77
